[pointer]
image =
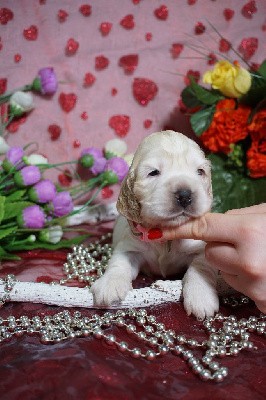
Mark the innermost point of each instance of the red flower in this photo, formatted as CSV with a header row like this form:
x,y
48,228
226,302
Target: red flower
x,y
229,125
256,155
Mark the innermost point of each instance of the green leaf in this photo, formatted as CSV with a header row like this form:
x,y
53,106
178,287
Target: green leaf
x,y
14,209
7,231
2,207
206,96
262,69
7,256
232,189
16,195
189,98
48,246
201,120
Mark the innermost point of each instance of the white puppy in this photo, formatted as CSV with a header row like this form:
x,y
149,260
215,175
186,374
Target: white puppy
x,y
168,183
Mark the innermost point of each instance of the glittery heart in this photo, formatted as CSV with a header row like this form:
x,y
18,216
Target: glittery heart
x,y
105,28
191,73
31,33
54,131
144,90
71,47
89,79
129,63
224,45
120,124
6,15
249,9
67,101
14,125
212,59
161,12
199,28
228,14
147,123
101,62
62,15
85,10
128,22
65,179
248,47
176,49
107,192
17,58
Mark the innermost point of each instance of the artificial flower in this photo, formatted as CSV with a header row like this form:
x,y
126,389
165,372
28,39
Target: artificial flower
x,y
53,234
256,155
27,176
31,217
14,159
20,103
229,125
62,204
4,147
116,169
115,147
43,192
46,81
93,159
35,159
230,79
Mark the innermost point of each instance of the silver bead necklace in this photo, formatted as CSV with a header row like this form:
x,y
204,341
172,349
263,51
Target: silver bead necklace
x,y
227,336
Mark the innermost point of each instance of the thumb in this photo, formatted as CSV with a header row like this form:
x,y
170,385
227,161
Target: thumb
x,y
211,227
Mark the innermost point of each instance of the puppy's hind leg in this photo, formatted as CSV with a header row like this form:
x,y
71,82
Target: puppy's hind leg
x,y
116,282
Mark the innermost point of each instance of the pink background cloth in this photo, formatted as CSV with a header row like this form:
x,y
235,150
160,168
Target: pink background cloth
x,y
37,37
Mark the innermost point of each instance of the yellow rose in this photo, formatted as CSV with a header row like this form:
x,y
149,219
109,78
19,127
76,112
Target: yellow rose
x,y
231,80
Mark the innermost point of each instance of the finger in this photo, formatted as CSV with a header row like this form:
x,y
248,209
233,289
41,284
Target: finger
x,y
259,208
224,257
211,227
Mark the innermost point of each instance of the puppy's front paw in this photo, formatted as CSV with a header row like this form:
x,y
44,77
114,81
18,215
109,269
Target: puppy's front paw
x,y
110,288
200,300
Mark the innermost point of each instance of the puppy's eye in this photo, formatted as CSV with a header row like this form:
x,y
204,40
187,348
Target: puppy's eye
x,y
201,171
155,172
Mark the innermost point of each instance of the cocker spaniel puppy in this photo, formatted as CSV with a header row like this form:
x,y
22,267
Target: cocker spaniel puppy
x,y
168,183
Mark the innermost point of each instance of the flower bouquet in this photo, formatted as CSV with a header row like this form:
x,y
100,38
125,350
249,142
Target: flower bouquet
x,y
230,119
33,210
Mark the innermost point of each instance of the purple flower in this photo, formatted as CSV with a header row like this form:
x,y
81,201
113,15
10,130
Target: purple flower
x,y
46,81
27,176
62,204
13,159
32,217
93,159
43,192
118,166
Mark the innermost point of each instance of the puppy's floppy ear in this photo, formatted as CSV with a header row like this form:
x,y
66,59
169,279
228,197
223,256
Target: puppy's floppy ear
x,y
127,203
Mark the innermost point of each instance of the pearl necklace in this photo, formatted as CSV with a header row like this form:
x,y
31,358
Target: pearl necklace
x,y
227,335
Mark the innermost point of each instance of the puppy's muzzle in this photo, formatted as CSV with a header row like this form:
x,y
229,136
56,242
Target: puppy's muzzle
x,y
183,197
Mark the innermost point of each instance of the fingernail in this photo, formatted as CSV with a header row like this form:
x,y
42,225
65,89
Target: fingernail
x,y
155,233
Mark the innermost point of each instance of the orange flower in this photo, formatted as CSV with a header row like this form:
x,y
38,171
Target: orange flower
x,y
256,155
229,125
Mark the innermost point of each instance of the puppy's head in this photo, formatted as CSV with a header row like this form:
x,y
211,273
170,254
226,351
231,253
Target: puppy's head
x,y
168,183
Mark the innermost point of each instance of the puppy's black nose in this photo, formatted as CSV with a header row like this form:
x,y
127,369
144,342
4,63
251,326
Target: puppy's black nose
x,y
183,197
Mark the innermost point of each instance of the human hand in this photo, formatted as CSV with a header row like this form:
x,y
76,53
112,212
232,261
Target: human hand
x,y
236,245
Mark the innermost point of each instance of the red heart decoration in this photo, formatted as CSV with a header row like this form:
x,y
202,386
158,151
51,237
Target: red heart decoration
x,y
176,49
248,47
85,10
55,131
89,79
67,101
71,47
224,45
62,15
228,14
3,85
31,33
101,62
128,22
105,28
120,124
129,63
249,9
199,28
144,90
161,13
6,15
